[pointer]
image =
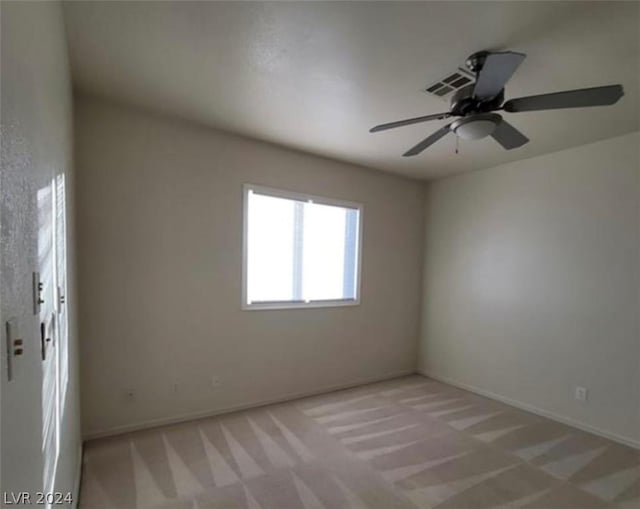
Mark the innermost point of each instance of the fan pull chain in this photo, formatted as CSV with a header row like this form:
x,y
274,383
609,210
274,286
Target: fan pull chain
x,y
457,141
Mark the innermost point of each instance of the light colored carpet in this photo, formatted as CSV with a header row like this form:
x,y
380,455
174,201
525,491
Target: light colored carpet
x,y
406,443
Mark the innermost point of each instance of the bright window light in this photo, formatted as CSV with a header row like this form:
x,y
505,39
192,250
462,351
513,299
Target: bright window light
x,y
299,251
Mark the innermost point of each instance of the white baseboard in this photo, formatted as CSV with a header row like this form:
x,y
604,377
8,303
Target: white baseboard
x,y
78,479
535,410
117,430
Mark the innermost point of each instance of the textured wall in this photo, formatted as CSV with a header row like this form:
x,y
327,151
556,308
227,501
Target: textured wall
x,y
160,239
36,149
532,283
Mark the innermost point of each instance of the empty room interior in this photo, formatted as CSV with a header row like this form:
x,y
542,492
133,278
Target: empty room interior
x,y
320,255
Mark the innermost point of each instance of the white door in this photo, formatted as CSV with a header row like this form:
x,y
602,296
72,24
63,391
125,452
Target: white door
x,y
62,321
46,293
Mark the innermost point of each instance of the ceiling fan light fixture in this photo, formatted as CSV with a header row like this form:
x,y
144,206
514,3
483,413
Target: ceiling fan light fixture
x,y
476,127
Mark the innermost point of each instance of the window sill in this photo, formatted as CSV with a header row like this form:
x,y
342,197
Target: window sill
x,y
262,306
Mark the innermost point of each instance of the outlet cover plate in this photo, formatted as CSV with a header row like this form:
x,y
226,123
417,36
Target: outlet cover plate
x,y
581,394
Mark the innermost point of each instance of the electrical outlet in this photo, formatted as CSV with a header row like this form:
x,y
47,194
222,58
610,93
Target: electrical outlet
x,y
581,394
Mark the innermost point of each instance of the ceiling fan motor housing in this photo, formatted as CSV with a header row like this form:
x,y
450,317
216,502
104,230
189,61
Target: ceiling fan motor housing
x,y
464,103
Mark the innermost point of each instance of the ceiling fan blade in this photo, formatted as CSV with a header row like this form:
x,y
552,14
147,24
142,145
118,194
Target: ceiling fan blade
x,y
496,71
508,136
581,98
409,121
430,140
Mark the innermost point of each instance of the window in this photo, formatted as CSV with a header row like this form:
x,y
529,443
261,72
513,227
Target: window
x,y
299,251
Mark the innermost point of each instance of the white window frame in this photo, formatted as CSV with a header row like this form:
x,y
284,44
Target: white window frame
x,y
303,197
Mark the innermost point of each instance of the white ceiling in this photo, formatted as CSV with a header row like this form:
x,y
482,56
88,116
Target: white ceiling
x,y
316,76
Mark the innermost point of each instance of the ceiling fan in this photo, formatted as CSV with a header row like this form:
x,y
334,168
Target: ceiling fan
x,y
475,104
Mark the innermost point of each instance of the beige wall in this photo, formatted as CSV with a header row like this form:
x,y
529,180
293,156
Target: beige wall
x,y
160,242
532,283
36,148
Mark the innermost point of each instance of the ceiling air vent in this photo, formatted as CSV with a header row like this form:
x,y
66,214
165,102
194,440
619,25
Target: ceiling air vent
x,y
443,88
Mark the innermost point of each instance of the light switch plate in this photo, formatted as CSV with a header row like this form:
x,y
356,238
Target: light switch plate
x,y
11,333
37,293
